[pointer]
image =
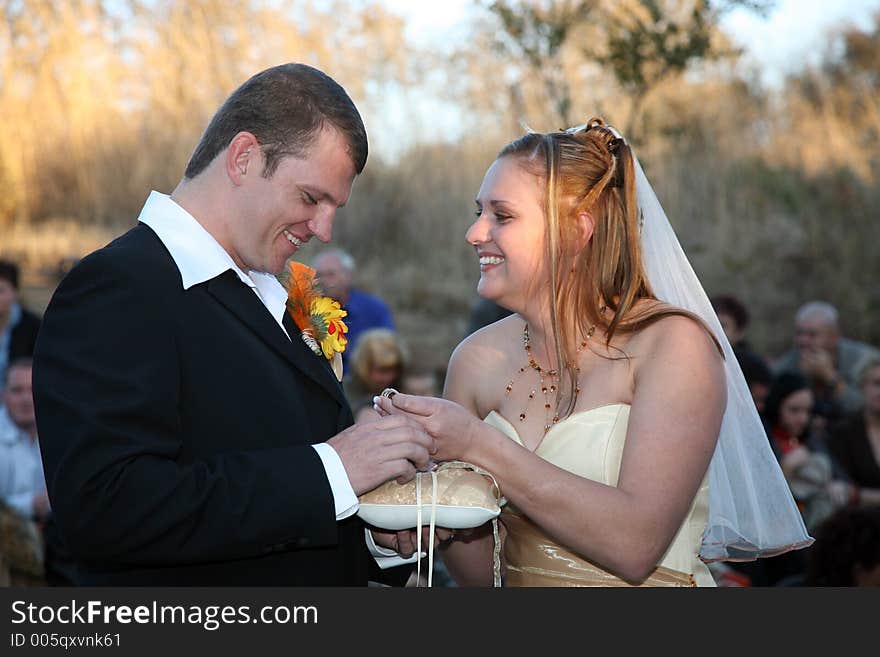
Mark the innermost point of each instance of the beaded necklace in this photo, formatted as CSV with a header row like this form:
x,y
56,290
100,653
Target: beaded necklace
x,y
549,380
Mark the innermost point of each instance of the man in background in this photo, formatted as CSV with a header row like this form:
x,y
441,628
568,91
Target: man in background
x,y
830,361
22,484
18,325
335,269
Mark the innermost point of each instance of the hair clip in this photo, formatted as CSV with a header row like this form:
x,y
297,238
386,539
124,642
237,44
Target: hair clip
x,y
614,131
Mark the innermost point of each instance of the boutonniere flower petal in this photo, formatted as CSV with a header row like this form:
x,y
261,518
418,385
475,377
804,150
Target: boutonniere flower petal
x,y
318,318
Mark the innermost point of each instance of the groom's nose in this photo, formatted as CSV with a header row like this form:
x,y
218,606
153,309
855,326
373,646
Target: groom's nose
x,y
321,225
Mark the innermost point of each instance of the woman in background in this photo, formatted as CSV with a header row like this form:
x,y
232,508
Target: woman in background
x,y
378,362
806,464
855,443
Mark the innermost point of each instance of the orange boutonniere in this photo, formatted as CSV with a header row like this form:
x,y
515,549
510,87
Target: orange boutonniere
x,y
318,318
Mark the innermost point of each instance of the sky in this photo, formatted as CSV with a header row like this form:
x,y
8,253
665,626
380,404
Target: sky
x,y
793,32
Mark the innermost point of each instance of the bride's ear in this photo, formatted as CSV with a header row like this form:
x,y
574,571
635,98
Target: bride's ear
x,y
585,226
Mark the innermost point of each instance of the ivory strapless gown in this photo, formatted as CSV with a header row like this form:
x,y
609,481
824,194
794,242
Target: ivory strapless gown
x,y
590,444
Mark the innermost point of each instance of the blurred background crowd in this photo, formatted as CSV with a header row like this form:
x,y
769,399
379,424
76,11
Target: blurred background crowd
x,y
771,184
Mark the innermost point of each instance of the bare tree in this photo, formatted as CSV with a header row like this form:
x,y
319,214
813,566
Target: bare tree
x,y
537,33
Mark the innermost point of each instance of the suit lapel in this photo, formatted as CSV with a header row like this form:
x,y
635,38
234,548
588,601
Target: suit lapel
x,y
241,301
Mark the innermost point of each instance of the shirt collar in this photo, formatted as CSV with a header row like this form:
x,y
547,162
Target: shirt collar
x,y
199,257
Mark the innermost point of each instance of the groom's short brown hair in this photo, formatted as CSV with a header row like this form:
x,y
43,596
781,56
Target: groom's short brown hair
x,y
284,107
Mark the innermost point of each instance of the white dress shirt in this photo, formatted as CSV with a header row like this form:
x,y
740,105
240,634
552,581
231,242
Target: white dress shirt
x,y
199,257
21,467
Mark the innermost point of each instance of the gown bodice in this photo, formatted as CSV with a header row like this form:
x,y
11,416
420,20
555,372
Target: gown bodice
x,y
590,445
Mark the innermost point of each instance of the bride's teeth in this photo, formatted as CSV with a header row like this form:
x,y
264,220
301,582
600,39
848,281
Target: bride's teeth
x,y
491,260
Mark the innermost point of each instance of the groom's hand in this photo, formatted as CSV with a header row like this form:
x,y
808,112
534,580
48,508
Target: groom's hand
x,y
376,452
404,542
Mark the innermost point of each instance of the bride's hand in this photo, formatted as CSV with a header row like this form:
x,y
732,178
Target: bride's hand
x,y
451,425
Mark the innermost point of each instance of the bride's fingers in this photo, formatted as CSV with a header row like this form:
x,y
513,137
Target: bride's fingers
x,y
379,409
386,406
383,406
414,404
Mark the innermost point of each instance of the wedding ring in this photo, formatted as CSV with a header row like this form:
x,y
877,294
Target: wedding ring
x,y
389,392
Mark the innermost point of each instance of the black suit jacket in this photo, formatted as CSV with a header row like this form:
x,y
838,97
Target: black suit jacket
x,y
23,336
176,425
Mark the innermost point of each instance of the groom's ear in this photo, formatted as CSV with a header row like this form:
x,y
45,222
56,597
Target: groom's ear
x,y
241,157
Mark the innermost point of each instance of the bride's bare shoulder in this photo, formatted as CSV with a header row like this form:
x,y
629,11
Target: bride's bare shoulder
x,y
675,328
491,343
482,355
676,344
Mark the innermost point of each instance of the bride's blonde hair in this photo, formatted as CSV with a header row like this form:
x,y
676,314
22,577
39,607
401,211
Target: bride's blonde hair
x,y
590,169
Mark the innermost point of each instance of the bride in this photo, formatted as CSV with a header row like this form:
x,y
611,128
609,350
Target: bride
x,y
598,405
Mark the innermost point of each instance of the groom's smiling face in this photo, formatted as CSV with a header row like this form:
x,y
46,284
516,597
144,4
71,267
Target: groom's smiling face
x,y
277,215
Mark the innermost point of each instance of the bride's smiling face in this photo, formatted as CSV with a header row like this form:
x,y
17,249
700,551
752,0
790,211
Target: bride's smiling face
x,y
508,234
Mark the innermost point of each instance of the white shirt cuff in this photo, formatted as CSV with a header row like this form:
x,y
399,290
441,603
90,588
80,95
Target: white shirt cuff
x,y
386,557
344,499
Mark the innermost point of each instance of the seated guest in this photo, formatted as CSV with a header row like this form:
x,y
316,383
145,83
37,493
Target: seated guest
x,y
22,483
807,466
378,362
847,550
734,318
21,550
18,325
808,471
24,503
335,274
420,380
855,442
758,376
829,361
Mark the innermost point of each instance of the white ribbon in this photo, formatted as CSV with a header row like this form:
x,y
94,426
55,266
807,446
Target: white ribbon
x,y
496,550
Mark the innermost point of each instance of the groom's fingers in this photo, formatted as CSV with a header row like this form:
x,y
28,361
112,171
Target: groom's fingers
x,y
417,455
406,544
376,452
405,470
401,429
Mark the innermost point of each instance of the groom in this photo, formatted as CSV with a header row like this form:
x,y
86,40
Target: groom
x,y
189,435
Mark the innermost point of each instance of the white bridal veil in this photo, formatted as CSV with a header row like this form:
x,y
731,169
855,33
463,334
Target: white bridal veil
x,y
751,511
